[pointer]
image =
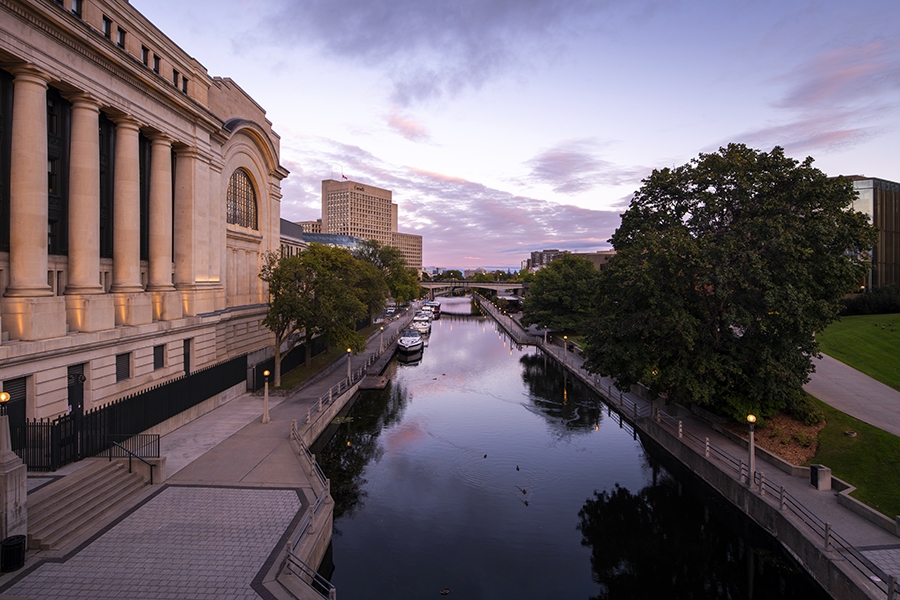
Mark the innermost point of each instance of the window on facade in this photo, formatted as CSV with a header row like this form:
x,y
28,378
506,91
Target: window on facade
x,y
159,354
184,84
145,55
156,64
107,27
76,8
120,37
175,76
241,200
123,366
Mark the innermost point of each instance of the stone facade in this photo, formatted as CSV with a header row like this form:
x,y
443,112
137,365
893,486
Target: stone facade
x,y
129,257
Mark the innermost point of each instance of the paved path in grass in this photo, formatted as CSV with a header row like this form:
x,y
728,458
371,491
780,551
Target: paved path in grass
x,y
855,393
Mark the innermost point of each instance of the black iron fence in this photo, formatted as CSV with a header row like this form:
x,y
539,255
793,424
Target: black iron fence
x,y
47,444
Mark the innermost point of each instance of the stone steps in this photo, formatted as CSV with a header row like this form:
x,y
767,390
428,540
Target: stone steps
x,y
81,504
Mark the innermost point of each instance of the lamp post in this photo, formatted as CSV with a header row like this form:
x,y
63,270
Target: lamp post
x,y
565,350
4,398
381,344
751,419
265,417
349,376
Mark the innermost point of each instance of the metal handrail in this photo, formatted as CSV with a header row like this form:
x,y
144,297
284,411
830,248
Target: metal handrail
x,y
311,577
130,456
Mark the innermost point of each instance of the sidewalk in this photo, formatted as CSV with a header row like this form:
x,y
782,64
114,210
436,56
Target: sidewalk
x,y
235,490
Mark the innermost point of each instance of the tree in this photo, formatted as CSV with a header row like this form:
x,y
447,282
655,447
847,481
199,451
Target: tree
x,y
316,293
562,294
725,269
286,304
400,280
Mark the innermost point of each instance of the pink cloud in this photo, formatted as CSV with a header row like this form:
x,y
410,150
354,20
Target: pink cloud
x,y
407,127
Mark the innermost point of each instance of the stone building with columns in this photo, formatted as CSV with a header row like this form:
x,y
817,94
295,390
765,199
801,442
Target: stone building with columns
x,y
137,195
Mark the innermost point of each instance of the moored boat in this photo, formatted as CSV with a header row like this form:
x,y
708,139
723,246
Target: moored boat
x,y
410,341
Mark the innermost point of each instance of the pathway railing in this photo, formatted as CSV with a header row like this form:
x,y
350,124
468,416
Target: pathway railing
x,y
296,565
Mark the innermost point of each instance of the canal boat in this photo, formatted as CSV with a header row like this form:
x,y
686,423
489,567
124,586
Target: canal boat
x,y
421,323
435,308
410,341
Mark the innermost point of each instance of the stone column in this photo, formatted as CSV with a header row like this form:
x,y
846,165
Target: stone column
x,y
166,302
28,211
87,307
192,234
29,310
132,306
84,198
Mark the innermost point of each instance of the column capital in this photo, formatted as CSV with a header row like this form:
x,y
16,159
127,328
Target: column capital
x,y
158,138
83,100
126,122
29,72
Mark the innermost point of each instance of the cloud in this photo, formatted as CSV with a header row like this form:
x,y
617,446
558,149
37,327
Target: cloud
x,y
407,127
572,167
834,101
433,47
845,75
455,217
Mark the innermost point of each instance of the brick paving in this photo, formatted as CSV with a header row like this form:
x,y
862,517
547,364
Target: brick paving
x,y
196,543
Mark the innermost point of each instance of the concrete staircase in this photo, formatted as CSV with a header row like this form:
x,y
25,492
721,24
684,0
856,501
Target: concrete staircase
x,y
79,505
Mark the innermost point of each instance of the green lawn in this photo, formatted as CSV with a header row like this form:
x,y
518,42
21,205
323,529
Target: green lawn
x,y
868,461
295,377
868,344
865,346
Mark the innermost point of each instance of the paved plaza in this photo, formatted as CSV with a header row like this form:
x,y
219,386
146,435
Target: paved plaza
x,y
186,542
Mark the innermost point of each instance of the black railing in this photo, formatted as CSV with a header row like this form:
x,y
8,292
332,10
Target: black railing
x,y
46,445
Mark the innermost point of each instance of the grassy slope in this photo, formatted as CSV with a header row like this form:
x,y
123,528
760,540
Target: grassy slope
x,y
868,460
858,342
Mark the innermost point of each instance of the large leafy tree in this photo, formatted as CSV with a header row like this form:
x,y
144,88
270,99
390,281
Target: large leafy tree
x,y
400,280
562,294
319,292
726,268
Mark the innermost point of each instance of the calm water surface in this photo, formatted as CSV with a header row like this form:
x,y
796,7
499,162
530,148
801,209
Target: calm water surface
x,y
484,470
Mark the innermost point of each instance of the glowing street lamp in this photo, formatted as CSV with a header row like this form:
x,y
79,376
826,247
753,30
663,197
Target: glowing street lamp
x,y
751,419
265,417
381,344
565,350
349,376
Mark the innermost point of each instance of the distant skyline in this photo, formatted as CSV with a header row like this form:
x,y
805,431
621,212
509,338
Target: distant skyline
x,y
508,126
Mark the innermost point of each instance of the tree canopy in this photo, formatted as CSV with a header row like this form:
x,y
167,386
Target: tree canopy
x,y
400,280
562,294
726,267
322,291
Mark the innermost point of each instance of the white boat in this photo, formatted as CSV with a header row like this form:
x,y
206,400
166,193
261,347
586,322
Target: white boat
x,y
421,323
410,341
435,308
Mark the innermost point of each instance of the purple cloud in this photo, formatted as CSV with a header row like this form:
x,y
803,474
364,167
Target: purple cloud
x,y
456,217
571,167
434,47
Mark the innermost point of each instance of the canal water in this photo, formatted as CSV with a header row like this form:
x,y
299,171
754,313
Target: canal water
x,y
484,471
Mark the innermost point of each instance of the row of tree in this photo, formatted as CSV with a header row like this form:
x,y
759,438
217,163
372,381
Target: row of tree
x,y
324,291
725,269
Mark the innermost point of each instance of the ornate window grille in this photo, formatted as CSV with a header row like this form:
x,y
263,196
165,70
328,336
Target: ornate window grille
x,y
242,200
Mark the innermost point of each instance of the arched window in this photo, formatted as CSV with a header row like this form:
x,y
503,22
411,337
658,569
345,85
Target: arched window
x,y
242,200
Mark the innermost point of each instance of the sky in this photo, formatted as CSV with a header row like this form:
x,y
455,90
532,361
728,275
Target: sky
x,y
504,127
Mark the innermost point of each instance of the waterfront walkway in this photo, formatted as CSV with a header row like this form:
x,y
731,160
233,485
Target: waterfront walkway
x,y
235,491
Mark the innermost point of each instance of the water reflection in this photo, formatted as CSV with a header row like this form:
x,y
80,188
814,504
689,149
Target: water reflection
x,y
660,539
476,470
561,399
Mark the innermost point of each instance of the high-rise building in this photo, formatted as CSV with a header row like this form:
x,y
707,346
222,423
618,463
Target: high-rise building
x,y
367,212
351,208
880,199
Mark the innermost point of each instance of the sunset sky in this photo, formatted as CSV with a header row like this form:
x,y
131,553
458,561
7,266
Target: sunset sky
x,y
507,126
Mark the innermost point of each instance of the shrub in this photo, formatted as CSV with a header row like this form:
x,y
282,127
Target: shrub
x,y
881,300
